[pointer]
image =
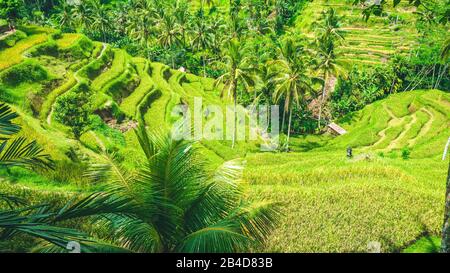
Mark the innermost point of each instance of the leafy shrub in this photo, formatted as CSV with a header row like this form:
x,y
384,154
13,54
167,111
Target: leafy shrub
x,y
81,49
12,39
49,48
362,87
406,153
56,35
72,109
27,71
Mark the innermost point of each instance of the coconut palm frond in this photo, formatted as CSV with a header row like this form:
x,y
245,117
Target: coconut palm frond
x,y
223,237
92,246
23,154
257,219
146,142
249,225
11,200
95,204
13,222
7,127
131,233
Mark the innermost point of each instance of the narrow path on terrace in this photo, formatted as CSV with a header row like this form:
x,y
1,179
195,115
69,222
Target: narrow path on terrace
x,y
425,129
392,122
395,143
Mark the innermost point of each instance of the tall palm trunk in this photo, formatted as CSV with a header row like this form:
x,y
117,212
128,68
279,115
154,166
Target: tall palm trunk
x,y
235,115
445,246
204,67
282,120
289,128
322,98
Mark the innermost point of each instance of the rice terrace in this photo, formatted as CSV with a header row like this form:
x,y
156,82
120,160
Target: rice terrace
x,y
358,127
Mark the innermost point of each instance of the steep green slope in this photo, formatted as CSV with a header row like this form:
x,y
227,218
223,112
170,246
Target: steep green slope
x,y
391,191
366,43
126,91
383,194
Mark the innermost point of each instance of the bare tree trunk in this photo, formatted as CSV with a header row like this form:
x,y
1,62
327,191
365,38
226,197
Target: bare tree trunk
x,y
235,114
289,129
445,245
235,120
322,99
204,67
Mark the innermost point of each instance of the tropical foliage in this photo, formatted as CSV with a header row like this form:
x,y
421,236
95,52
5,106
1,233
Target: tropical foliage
x,y
90,89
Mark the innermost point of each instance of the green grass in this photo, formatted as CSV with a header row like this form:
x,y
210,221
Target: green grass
x,y
146,85
366,43
426,244
330,203
116,69
14,55
67,40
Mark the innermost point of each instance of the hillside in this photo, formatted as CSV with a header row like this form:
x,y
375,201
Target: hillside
x,y
318,178
83,76
391,191
366,43
126,91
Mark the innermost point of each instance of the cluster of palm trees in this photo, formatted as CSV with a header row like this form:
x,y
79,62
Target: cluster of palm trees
x,y
292,76
223,40
166,23
171,204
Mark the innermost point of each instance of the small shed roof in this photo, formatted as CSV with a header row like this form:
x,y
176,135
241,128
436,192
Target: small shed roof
x,y
336,128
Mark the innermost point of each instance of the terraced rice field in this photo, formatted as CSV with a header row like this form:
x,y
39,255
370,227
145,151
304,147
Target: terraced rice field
x,y
366,43
331,203
336,204
126,87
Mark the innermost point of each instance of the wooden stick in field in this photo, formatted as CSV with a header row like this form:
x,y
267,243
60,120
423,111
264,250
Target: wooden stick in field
x,y
445,246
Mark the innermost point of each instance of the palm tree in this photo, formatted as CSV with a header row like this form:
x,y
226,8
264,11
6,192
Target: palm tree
x,y
330,66
65,17
182,16
141,22
181,207
202,36
100,18
237,69
329,31
292,81
82,13
216,27
38,221
265,83
329,26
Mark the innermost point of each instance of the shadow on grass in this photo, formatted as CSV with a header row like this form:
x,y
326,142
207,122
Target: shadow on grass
x,y
426,242
348,118
308,146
